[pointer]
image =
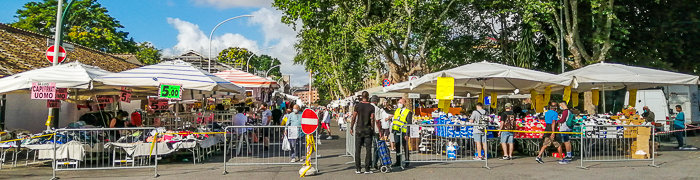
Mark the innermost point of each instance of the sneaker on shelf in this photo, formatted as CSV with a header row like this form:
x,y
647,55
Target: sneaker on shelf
x,y
563,161
368,172
505,158
539,160
329,138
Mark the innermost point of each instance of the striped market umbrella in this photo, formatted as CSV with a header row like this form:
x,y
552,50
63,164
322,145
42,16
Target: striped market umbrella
x,y
246,79
171,72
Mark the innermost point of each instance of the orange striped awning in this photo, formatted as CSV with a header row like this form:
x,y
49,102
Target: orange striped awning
x,y
246,79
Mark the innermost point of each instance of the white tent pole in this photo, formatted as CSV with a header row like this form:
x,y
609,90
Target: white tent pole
x,y
604,110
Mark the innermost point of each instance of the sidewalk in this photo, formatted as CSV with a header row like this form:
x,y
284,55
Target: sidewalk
x,y
673,165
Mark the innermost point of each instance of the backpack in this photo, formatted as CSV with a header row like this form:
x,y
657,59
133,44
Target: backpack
x,y
570,120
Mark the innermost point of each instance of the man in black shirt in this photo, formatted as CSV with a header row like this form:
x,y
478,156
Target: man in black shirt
x,y
508,122
363,117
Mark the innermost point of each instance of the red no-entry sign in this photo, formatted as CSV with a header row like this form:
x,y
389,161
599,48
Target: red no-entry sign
x,y
61,54
309,121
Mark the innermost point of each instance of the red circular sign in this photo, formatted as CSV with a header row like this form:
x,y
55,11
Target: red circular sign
x,y
50,53
309,121
386,83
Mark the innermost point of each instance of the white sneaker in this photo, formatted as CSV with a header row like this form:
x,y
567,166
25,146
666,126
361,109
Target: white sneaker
x,y
293,161
329,138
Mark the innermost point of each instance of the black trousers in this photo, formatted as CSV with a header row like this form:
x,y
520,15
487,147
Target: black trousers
x,y
363,140
399,143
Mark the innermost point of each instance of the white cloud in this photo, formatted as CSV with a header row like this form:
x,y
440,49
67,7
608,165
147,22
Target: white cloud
x,y
190,37
283,38
275,34
222,4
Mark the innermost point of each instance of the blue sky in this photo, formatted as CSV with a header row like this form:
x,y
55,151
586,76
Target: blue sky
x,y
179,25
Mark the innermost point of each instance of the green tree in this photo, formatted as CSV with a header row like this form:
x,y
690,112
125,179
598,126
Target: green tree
x,y
661,35
88,24
400,33
148,54
587,27
265,62
235,56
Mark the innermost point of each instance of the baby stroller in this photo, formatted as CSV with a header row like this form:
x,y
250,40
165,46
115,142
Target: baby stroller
x,y
384,156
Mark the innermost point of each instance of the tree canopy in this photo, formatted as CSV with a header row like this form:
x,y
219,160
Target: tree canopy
x,y
88,24
237,57
351,42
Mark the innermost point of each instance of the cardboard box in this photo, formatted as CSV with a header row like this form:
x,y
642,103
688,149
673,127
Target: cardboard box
x,y
642,144
644,131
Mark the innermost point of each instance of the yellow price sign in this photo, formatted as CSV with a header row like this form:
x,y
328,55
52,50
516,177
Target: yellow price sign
x,y
445,88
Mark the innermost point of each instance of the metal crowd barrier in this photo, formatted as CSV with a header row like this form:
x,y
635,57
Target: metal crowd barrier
x,y
16,148
349,146
447,143
103,149
617,143
240,149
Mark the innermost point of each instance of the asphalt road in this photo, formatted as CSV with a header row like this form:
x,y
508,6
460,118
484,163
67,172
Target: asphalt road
x,y
672,165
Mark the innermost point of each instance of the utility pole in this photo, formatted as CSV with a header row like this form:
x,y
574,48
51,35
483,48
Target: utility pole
x,y
57,43
310,91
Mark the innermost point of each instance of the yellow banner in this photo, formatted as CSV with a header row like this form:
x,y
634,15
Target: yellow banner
x,y
633,97
539,108
547,94
533,95
595,97
494,100
482,95
445,88
574,98
567,94
444,105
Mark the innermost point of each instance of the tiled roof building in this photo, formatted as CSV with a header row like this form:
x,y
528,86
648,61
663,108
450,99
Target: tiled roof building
x,y
22,50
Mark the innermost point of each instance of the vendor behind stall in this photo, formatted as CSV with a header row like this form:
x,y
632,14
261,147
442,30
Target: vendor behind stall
x,y
119,122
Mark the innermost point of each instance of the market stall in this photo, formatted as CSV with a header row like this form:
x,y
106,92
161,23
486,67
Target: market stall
x,y
484,79
260,88
610,76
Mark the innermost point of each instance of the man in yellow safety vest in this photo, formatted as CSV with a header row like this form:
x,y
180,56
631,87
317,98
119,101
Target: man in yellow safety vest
x,y
402,116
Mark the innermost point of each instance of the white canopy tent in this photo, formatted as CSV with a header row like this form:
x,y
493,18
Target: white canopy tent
x,y
378,91
494,77
171,72
613,76
69,75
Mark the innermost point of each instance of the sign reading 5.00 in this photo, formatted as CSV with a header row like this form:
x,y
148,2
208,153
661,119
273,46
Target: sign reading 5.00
x,y
170,91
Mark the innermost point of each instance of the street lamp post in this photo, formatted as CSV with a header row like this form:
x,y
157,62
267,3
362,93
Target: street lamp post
x,y
248,61
268,71
212,33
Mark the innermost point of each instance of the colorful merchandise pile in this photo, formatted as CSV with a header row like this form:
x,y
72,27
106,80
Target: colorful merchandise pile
x,y
531,124
465,131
